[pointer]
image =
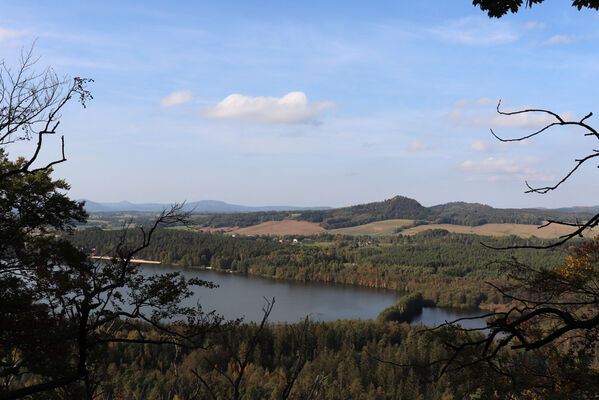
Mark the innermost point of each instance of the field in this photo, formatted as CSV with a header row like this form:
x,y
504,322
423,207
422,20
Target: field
x,y
392,226
379,228
285,227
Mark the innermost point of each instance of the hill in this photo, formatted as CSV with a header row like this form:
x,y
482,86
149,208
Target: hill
x,y
475,214
580,209
399,207
202,206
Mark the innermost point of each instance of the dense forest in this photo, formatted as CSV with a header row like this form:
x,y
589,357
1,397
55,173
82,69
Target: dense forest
x,y
449,269
338,360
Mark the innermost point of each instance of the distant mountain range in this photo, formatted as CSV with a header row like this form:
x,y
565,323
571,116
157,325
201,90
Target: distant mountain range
x,y
202,206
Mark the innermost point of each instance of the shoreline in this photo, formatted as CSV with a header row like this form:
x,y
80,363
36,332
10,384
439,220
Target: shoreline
x,y
134,260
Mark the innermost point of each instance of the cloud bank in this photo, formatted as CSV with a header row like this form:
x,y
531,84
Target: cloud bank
x,y
559,39
293,108
496,169
176,98
476,31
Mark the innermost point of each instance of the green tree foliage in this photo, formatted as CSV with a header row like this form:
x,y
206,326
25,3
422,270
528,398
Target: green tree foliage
x,y
341,356
405,310
343,360
499,8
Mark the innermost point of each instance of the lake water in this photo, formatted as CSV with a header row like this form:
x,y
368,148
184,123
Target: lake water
x,y
242,296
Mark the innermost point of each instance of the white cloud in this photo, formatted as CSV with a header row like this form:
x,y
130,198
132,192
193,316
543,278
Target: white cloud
x,y
524,143
480,146
496,165
176,98
534,25
495,169
418,145
485,101
476,31
527,120
6,33
559,39
291,108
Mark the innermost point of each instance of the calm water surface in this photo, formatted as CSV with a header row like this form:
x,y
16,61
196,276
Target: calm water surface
x,y
242,296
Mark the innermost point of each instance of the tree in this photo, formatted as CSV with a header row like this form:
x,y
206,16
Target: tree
x,y
499,8
59,308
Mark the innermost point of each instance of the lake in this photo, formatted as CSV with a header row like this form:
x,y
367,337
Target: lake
x,y
243,296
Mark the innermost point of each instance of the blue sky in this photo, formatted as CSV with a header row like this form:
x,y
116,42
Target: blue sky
x,y
305,103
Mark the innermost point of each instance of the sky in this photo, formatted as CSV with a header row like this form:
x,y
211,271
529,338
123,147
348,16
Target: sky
x,y
315,103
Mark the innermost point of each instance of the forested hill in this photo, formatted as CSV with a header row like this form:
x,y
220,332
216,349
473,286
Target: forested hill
x,y
399,207
474,214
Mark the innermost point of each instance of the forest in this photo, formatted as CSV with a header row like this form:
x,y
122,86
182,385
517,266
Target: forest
x,y
345,359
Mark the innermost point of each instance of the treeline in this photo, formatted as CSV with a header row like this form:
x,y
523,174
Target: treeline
x,y
240,219
447,268
474,214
